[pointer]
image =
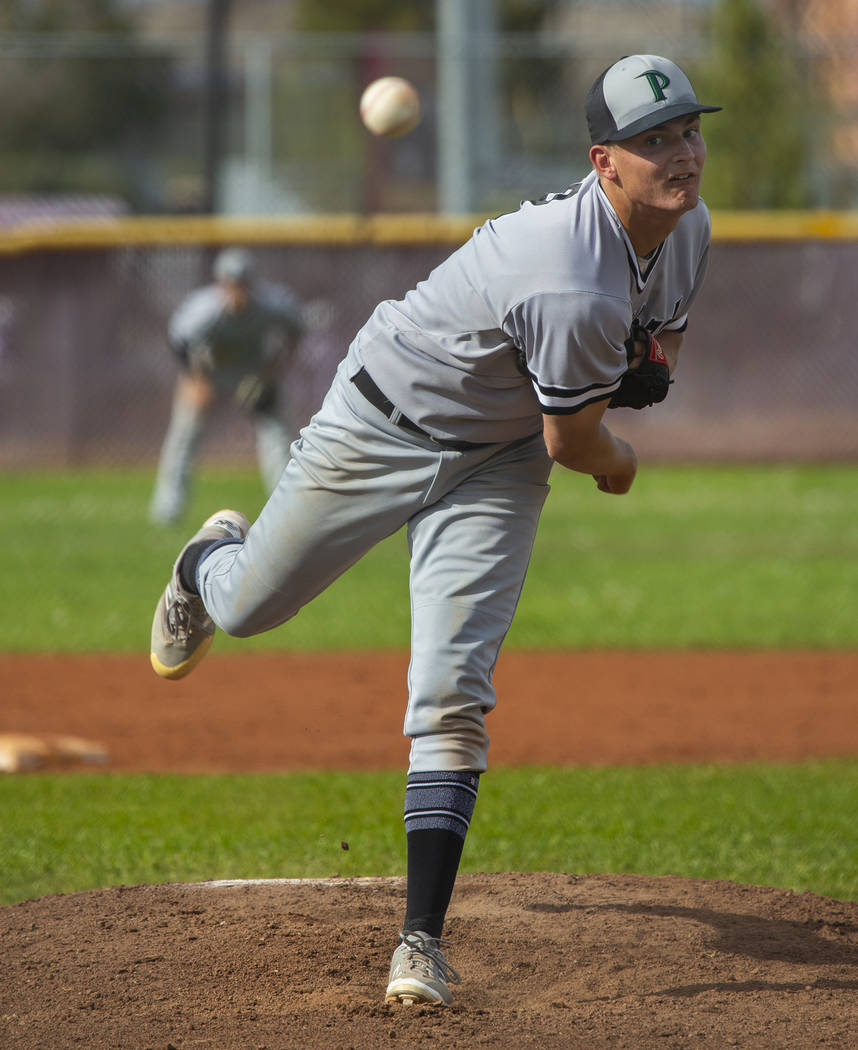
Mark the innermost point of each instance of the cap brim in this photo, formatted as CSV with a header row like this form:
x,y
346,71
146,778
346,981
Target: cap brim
x,y
652,120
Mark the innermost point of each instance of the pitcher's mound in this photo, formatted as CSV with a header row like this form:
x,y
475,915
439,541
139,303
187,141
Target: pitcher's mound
x,y
547,961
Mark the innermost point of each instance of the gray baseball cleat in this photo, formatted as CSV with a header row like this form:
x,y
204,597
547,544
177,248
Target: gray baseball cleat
x,y
182,630
419,973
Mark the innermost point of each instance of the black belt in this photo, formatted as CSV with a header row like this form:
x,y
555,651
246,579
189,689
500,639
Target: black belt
x,y
365,383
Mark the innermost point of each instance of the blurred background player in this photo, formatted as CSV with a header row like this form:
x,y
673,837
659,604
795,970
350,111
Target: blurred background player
x,y
231,339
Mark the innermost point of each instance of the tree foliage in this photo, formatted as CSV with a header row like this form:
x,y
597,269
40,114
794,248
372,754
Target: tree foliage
x,y
75,81
339,16
355,16
758,146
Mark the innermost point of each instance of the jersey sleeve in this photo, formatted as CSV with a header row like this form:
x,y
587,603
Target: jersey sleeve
x,y
572,347
678,324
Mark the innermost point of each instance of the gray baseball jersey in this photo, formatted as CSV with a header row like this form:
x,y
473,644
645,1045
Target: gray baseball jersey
x,y
553,287
528,317
245,340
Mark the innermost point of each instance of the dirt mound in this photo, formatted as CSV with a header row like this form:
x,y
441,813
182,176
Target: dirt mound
x,y
547,961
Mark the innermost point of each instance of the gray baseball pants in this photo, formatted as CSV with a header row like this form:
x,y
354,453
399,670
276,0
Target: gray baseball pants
x,y
355,478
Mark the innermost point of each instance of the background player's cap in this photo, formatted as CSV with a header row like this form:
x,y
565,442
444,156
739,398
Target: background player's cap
x,y
234,264
637,93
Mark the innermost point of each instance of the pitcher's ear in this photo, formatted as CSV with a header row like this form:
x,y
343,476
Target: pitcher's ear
x,y
603,161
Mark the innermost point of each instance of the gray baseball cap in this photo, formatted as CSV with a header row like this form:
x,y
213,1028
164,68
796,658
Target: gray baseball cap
x,y
234,264
637,93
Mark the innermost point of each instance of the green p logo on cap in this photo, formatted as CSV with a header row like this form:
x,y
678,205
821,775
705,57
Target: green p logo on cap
x,y
657,81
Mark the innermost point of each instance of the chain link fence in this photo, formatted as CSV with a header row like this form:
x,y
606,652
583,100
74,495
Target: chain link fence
x,y
768,371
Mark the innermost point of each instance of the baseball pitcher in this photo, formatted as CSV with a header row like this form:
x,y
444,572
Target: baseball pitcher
x,y
445,417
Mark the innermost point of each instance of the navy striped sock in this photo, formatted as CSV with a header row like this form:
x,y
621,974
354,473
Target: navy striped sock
x,y
438,810
188,565
440,800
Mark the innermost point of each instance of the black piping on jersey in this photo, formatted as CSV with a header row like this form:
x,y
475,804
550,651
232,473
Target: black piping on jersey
x,y
600,391
641,279
547,198
605,391
563,391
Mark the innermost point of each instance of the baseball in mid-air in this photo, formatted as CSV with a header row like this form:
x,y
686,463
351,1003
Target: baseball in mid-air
x,y
390,106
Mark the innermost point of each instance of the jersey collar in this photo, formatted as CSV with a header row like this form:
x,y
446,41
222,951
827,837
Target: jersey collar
x,y
640,279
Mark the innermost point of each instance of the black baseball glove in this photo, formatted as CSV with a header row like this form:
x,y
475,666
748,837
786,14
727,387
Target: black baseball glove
x,y
648,378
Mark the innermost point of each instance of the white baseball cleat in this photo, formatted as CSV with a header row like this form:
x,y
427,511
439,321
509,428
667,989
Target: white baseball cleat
x,y
182,630
419,973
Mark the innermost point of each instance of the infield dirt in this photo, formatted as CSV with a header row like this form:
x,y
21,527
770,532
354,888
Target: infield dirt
x,y
547,960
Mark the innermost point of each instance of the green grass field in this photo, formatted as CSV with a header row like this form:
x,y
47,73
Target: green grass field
x,y
693,557
778,825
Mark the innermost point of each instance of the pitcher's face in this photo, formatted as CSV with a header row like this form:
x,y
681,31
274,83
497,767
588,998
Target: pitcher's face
x,y
660,168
